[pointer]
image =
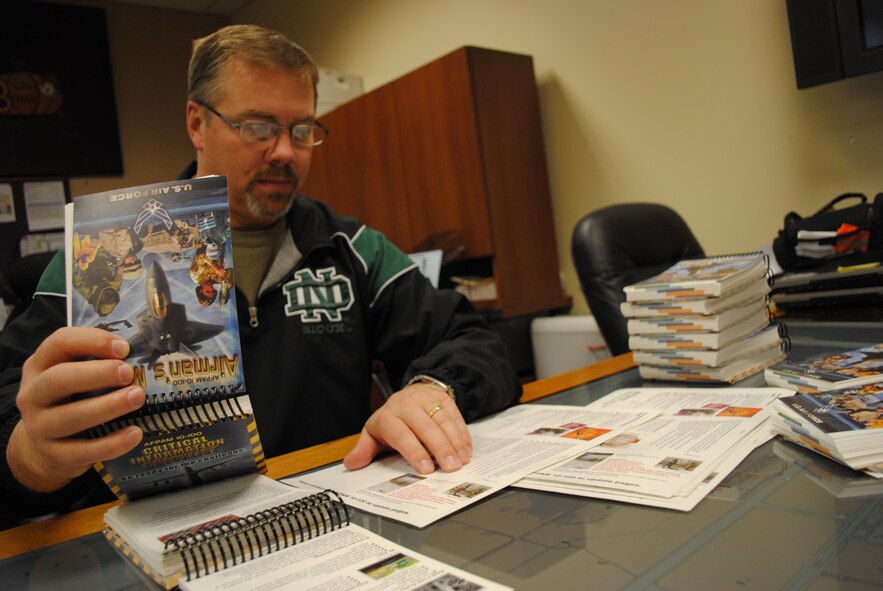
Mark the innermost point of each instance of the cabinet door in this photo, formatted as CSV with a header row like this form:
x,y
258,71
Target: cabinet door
x,y
358,169
440,152
516,181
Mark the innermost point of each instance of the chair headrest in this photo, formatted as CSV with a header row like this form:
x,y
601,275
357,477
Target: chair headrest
x,y
617,238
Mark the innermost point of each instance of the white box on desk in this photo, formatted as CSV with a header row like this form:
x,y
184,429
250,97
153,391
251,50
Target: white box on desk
x,y
563,343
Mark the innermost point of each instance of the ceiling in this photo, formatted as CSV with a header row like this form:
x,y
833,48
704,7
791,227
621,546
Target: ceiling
x,y
218,7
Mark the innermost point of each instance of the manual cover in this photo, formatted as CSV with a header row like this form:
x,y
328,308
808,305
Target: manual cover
x,y
700,278
846,424
744,296
154,264
838,370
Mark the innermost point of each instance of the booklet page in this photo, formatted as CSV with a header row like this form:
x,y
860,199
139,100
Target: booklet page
x,y
697,436
506,447
348,558
686,500
147,523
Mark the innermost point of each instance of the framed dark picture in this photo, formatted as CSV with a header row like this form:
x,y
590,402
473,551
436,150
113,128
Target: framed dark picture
x,y
57,107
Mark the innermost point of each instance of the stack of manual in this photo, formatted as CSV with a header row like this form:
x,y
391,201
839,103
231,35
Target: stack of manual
x,y
703,320
845,425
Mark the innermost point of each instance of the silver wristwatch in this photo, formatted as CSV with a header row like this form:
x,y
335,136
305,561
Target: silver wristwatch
x,y
431,380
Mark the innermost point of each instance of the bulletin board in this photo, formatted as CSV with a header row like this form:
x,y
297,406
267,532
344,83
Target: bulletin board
x,y
31,208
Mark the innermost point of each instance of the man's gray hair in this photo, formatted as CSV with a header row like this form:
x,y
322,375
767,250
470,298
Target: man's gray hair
x,y
250,44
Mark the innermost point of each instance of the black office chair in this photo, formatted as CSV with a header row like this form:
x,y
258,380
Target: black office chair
x,y
622,244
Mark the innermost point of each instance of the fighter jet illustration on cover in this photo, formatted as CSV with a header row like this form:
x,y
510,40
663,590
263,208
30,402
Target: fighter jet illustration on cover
x,y
163,327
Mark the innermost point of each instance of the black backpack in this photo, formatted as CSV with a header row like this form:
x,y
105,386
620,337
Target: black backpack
x,y
832,244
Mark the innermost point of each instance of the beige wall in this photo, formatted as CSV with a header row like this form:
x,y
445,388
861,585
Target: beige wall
x,y
685,102
689,103
150,49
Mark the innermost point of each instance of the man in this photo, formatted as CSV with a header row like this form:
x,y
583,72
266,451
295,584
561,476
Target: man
x,y
251,117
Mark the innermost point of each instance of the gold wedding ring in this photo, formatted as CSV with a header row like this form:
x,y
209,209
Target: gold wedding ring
x,y
434,410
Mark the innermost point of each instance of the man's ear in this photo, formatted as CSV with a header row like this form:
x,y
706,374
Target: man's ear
x,y
196,124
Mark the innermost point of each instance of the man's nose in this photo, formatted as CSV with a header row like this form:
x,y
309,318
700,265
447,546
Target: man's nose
x,y
282,150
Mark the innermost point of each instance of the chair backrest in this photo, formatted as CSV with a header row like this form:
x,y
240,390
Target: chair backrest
x,y
622,244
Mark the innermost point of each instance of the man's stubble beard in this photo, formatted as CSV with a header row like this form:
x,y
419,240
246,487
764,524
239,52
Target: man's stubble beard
x,y
270,204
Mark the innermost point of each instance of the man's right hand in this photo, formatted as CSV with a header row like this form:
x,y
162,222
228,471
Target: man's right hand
x,y
45,450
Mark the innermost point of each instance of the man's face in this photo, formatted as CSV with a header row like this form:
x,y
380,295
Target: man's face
x,y
263,178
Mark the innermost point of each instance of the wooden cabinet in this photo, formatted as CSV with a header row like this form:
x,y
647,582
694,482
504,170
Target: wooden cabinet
x,y
454,148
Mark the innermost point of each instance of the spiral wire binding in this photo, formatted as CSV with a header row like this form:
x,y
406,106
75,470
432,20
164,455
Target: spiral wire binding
x,y
165,401
216,546
770,277
785,345
171,411
735,255
768,307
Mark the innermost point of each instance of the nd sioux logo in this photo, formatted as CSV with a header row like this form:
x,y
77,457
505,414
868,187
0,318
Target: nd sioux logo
x,y
310,296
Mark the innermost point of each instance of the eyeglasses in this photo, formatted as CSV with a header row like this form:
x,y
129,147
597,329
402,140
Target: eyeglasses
x,y
302,134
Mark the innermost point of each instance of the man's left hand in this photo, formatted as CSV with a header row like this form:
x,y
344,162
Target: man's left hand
x,y
421,422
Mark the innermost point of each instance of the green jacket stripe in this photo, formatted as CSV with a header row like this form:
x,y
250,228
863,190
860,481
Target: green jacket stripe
x,y
384,261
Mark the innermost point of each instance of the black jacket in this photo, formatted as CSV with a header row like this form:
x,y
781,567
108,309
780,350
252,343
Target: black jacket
x,y
321,320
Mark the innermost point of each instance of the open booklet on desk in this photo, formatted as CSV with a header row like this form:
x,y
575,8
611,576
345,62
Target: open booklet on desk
x,y
695,437
507,446
654,446
252,532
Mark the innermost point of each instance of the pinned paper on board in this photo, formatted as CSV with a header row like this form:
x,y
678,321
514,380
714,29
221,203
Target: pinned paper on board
x,y
7,204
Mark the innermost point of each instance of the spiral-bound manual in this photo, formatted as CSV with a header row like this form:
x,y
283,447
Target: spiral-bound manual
x,y
686,341
749,347
253,532
154,265
715,276
754,310
728,364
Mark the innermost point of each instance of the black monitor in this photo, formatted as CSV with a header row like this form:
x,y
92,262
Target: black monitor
x,y
835,39
57,108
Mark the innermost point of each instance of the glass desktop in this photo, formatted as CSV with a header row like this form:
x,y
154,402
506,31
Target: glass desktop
x,y
784,519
